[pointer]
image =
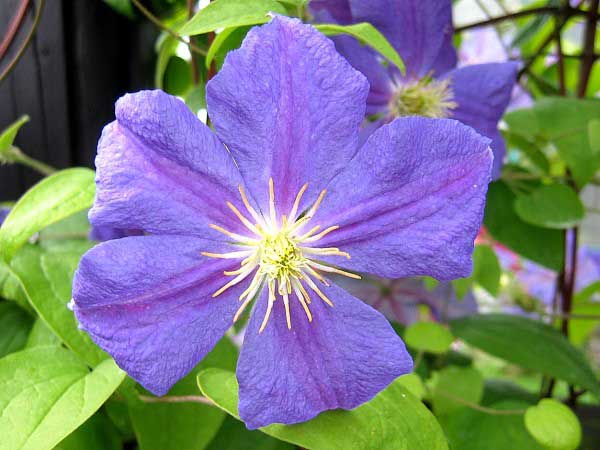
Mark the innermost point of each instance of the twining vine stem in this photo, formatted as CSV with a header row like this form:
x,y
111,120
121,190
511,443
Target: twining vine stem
x,y
36,22
156,21
177,399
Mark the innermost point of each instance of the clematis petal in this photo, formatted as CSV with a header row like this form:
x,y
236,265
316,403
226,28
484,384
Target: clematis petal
x,y
482,93
344,357
287,106
411,201
162,171
370,65
147,301
420,30
331,11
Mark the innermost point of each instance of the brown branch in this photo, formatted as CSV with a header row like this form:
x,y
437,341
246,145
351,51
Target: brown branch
x,y
177,399
194,62
156,21
516,15
13,27
588,49
36,22
562,87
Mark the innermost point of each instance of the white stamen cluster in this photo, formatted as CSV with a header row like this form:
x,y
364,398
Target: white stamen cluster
x,y
280,254
426,97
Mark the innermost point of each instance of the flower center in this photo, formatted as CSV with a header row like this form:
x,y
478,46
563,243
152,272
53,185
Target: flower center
x,y
425,97
281,254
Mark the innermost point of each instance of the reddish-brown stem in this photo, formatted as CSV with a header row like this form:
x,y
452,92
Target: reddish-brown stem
x,y
193,61
516,15
588,49
13,27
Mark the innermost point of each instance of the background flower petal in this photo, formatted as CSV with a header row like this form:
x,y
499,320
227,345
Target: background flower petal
x,y
369,64
162,171
287,106
420,30
342,359
147,301
411,201
482,93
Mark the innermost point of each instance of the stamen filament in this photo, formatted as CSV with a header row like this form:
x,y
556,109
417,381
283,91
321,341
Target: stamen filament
x,y
230,255
249,207
243,219
314,287
317,275
286,304
326,251
237,237
320,235
242,276
272,213
313,209
294,210
325,268
304,237
300,296
269,306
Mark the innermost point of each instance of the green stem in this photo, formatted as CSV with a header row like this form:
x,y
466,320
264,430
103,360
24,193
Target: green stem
x,y
17,156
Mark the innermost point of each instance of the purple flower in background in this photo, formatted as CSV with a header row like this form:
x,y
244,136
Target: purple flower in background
x,y
263,212
3,213
103,233
421,32
483,45
400,299
539,282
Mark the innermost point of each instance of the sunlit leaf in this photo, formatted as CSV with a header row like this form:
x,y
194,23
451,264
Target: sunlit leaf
x,y
393,419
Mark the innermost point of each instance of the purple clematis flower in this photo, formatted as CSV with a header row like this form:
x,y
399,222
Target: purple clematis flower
x,y
421,32
262,213
3,214
399,300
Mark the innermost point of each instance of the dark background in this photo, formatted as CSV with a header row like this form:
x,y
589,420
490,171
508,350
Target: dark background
x,y
81,59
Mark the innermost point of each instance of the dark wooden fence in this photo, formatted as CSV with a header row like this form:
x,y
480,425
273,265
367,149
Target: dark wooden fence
x,y
82,57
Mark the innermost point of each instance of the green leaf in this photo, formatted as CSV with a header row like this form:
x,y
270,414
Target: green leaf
x,y
367,34
394,419
7,137
196,99
47,392
233,435
428,337
217,43
564,122
15,325
486,269
413,384
49,201
587,292
10,287
161,426
528,343
529,149
551,206
41,336
98,433
580,329
231,13
594,135
166,47
454,384
469,429
553,425
541,245
47,280
123,7
178,77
